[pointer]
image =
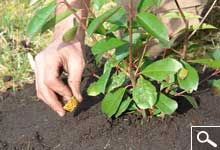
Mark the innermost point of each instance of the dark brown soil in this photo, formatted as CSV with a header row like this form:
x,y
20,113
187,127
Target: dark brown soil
x,y
27,124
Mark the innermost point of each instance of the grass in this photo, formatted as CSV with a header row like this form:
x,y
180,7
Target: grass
x,y
14,17
14,65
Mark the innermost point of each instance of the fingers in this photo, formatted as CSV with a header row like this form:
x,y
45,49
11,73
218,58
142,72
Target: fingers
x,y
54,83
49,97
74,78
45,93
51,100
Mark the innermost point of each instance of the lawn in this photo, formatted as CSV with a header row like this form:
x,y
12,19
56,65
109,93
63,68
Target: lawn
x,y
15,70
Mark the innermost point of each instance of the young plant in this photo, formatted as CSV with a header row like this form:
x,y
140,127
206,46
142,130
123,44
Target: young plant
x,y
132,81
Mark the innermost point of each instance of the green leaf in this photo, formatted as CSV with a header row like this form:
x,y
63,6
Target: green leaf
x,y
164,69
97,4
94,25
100,30
216,54
156,112
144,94
191,100
215,64
154,26
191,82
70,34
117,79
215,86
39,19
123,107
204,26
106,44
183,73
118,17
143,5
112,101
177,15
121,52
56,19
99,86
166,104
132,106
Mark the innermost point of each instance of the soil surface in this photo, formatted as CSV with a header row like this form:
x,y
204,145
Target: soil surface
x,y
28,124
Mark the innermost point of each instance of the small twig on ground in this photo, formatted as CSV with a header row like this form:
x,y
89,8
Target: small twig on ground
x,y
203,19
185,46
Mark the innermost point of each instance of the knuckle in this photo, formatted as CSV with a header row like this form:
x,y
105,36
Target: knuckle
x,y
49,81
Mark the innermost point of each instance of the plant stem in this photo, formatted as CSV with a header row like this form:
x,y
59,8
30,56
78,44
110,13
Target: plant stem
x,y
130,68
185,46
142,56
118,65
78,18
88,9
203,19
213,74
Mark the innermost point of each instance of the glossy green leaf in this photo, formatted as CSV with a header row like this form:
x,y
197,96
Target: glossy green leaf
x,y
215,64
70,34
144,94
121,52
191,82
99,86
100,30
166,104
56,19
123,107
100,20
154,26
118,17
117,79
106,44
191,100
39,19
156,112
112,101
204,26
132,106
177,15
97,4
143,5
164,69
216,54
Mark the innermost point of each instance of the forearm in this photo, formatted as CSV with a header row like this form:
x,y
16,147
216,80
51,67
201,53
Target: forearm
x,y
67,23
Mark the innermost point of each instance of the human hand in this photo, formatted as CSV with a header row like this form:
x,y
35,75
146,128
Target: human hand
x,y
48,64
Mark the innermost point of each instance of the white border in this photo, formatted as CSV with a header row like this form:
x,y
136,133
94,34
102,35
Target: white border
x,y
201,127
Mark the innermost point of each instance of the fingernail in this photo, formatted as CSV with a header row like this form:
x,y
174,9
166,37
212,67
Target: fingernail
x,y
61,113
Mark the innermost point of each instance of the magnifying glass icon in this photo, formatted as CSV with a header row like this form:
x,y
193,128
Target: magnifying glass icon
x,y
206,140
